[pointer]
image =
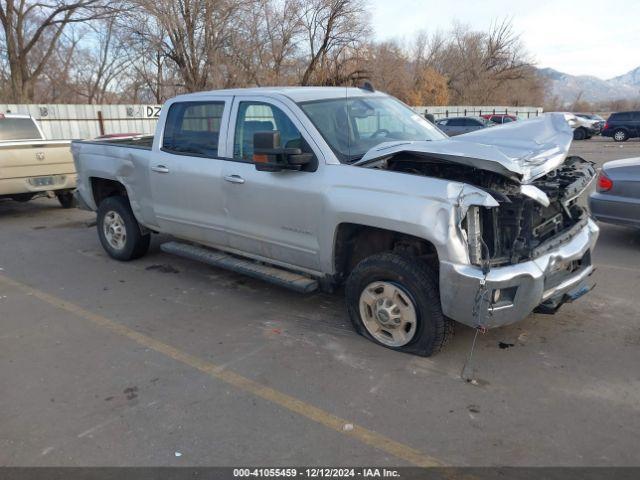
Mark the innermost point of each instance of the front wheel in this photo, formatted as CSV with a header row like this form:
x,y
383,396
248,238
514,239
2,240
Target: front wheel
x,y
119,231
579,134
393,300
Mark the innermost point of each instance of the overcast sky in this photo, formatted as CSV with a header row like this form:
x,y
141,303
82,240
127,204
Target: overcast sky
x,y
580,37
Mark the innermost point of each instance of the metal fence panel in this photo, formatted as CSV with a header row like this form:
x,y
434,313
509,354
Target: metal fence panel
x,y
60,121
89,121
468,111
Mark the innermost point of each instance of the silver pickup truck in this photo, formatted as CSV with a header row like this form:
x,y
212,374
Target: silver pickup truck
x,y
317,188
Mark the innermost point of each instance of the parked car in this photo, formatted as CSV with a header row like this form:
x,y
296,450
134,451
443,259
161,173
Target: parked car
x,y
583,129
617,195
317,188
622,126
500,118
458,125
593,116
30,165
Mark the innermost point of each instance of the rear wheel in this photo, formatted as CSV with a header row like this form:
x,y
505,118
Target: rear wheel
x,y
393,300
620,136
119,231
66,199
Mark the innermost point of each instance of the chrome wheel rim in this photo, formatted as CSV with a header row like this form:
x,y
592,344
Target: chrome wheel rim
x,y
388,313
619,136
114,230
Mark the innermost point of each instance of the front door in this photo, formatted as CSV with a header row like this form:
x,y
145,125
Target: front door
x,y
273,215
186,173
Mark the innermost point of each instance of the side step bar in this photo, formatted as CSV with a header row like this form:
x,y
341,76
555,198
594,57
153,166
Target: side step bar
x,y
278,276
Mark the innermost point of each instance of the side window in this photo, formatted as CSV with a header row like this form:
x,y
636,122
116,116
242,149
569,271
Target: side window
x,y
471,122
507,119
621,117
456,122
193,128
260,117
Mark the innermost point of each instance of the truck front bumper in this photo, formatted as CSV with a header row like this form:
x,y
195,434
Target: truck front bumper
x,y
514,291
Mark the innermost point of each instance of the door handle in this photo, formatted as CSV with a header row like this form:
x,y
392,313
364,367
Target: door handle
x,y
160,169
234,178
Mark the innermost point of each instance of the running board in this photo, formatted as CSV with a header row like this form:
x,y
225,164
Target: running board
x,y
278,276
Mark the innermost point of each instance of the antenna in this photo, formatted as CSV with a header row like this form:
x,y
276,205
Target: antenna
x,y
346,107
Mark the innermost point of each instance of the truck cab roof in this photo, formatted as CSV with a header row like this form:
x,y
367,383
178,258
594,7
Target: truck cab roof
x,y
296,94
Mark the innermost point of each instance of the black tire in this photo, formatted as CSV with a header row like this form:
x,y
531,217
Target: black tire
x,y
66,199
135,245
579,134
620,136
419,283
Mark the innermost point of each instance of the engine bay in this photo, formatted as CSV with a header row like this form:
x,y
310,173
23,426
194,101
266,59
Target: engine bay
x,y
520,227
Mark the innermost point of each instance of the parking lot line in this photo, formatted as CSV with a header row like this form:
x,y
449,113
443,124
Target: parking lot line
x,y
345,427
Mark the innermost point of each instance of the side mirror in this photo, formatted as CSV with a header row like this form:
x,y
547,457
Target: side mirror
x,y
269,156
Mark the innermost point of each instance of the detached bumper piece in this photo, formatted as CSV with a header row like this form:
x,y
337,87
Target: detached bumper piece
x,y
551,306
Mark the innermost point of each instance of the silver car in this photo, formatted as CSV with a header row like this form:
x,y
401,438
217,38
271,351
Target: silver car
x,y
617,197
458,125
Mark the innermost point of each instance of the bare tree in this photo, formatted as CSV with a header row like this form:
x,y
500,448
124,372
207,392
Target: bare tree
x,y
193,34
331,26
264,42
32,30
100,68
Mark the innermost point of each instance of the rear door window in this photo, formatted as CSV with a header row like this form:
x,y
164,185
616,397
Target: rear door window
x,y
193,128
18,129
621,117
456,122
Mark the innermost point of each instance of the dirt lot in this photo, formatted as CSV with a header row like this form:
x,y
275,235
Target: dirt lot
x,y
164,361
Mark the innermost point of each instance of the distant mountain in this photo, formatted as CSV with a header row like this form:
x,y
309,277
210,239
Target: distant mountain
x,y
629,78
567,87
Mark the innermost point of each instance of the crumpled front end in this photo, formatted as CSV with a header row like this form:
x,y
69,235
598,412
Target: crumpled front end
x,y
529,249
508,294
525,254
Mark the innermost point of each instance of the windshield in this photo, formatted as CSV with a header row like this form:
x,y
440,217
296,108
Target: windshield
x,y
590,116
353,126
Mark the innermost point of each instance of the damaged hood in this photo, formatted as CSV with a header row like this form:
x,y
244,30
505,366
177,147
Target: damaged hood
x,y
522,151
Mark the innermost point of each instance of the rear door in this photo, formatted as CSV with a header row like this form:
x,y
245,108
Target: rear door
x,y
186,173
272,215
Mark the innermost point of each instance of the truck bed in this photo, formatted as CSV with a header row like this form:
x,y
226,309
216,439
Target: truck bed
x,y
139,141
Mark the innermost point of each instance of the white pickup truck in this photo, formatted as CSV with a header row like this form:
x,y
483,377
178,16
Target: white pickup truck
x,y
30,165
327,187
